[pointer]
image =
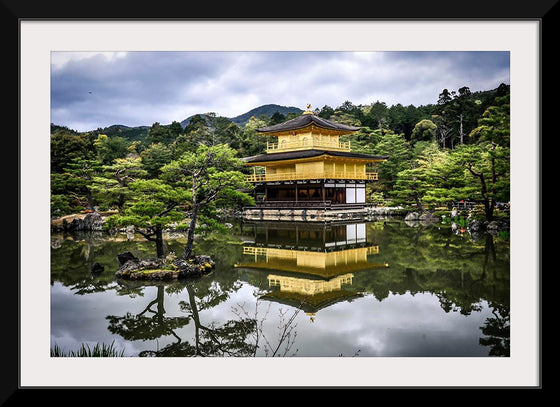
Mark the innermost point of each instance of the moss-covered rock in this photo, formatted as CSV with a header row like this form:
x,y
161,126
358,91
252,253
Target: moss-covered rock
x,y
194,267
161,269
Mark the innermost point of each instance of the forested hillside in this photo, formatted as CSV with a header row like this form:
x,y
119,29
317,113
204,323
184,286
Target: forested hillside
x,y
456,148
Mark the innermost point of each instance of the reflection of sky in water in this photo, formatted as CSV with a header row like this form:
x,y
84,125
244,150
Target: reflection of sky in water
x,y
75,319
400,325
325,265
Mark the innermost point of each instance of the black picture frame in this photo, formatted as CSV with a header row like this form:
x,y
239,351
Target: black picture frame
x,y
13,12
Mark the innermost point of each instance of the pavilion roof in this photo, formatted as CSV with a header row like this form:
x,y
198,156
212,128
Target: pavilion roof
x,y
311,303
293,155
305,120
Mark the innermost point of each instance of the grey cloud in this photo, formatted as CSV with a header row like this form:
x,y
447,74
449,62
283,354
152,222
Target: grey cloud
x,y
140,88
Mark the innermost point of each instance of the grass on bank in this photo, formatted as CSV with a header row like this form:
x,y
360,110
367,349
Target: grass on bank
x,y
99,350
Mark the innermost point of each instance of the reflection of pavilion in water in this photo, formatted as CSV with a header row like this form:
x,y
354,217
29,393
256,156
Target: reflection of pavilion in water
x,y
309,266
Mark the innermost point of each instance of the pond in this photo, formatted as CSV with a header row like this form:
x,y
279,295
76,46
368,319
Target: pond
x,y
380,288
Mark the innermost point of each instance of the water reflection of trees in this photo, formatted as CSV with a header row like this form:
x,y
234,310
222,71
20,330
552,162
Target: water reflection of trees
x,y
149,323
241,336
497,331
463,273
227,339
73,254
460,271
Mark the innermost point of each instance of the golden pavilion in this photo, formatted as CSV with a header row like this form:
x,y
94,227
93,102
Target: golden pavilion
x,y
308,172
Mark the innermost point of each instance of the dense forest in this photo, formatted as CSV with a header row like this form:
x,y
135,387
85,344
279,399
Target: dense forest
x,y
454,149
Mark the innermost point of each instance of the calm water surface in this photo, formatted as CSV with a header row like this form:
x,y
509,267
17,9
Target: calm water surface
x,y
383,288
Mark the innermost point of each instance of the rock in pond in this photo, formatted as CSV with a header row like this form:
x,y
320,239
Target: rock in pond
x,y
195,267
158,269
96,268
124,257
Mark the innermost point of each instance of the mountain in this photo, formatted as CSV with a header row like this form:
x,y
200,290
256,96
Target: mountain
x,y
267,110
242,119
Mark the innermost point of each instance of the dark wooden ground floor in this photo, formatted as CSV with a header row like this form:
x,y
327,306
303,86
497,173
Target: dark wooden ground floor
x,y
302,193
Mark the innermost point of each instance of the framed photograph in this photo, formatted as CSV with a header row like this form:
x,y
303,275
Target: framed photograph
x,y
353,302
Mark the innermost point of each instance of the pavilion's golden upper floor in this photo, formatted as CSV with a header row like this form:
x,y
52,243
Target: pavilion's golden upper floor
x,y
309,147
304,141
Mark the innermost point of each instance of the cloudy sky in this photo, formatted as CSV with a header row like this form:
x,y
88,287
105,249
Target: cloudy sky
x,y
91,89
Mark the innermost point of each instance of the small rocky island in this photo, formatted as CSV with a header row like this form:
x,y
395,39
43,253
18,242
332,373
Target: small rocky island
x,y
133,268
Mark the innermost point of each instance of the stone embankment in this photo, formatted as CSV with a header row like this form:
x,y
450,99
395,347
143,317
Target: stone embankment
x,y
318,214
89,221
94,221
425,217
473,225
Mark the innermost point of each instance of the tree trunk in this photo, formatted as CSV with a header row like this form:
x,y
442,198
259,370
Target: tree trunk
x,y
190,234
489,209
89,199
120,202
419,204
196,318
160,307
461,127
159,242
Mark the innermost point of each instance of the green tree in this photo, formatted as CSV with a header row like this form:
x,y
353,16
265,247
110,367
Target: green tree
x,y
209,174
159,134
179,146
277,118
110,148
463,108
424,130
376,115
445,97
155,156
175,129
77,180
67,147
153,206
291,115
397,118
198,131
411,186
222,131
435,179
487,168
446,180
326,112
113,185
397,148
348,107
444,127
442,117
494,125
253,142
195,123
